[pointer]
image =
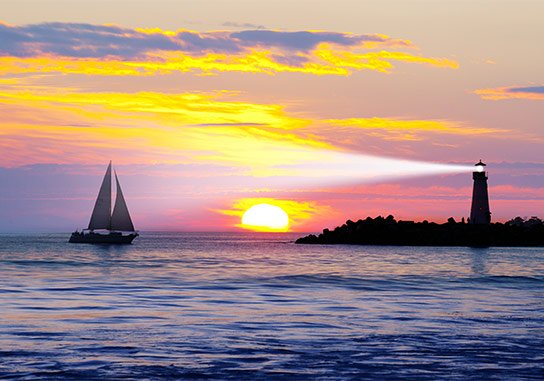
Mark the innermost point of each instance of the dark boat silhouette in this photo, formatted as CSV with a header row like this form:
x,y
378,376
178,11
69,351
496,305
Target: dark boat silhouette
x,y
105,226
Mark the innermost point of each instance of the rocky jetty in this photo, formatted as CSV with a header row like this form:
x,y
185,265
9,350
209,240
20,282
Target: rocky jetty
x,y
388,231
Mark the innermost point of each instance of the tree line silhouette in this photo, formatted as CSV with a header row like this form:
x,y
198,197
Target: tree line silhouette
x,y
388,231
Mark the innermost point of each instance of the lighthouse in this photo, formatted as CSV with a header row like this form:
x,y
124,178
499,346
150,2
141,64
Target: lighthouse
x,y
479,212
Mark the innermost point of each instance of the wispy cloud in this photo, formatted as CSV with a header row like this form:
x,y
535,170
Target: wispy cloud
x,y
512,92
243,25
410,129
114,50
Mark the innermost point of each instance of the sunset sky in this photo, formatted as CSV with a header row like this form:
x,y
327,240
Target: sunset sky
x,y
209,107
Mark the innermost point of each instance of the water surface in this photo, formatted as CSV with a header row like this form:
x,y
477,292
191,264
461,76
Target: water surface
x,y
257,306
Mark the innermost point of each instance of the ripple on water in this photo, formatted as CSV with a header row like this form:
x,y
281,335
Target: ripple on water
x,y
227,306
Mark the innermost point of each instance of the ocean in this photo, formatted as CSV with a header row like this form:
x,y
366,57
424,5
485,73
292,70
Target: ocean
x,y
256,306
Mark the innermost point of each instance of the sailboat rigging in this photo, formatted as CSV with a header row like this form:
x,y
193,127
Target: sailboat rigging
x,y
115,223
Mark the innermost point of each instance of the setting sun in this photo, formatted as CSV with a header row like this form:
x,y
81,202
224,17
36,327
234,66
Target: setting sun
x,y
265,217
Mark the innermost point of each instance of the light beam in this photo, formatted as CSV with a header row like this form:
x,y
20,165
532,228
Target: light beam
x,y
325,167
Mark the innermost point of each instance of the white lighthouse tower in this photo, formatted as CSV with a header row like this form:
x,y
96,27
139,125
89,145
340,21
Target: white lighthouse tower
x,y
479,212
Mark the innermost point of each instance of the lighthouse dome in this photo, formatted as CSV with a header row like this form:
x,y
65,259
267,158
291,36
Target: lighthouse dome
x,y
480,166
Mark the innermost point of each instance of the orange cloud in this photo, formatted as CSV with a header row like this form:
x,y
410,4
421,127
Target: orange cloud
x,y
512,92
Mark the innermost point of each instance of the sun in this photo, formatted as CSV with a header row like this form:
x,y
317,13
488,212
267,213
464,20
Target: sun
x,y
265,217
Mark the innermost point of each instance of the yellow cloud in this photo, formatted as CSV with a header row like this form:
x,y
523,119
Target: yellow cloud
x,y
173,109
168,33
408,127
257,62
322,61
378,61
139,127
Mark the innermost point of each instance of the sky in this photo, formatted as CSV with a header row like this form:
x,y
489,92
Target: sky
x,y
329,109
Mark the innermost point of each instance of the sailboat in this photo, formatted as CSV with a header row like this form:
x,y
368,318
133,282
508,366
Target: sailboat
x,y
105,226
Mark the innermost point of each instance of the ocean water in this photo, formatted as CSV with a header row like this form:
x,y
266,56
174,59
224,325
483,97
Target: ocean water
x,y
257,306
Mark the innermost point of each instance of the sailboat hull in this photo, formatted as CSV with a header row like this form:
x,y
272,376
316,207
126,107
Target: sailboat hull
x,y
112,238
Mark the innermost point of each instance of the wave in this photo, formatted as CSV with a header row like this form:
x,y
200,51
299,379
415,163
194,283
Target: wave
x,y
397,282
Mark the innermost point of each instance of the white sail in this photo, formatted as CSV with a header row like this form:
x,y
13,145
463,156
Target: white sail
x,y
101,217
120,219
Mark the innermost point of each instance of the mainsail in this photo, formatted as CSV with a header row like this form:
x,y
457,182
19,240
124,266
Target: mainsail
x,y
120,219
101,217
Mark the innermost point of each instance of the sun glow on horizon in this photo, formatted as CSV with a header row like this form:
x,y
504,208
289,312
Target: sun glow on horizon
x,y
265,217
